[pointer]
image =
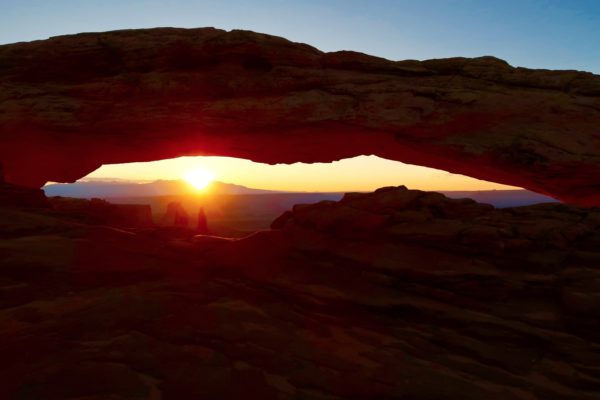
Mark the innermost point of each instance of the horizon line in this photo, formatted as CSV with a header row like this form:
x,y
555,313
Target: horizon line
x,y
150,181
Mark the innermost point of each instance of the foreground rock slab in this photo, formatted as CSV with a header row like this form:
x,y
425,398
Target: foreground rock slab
x,y
393,294
72,103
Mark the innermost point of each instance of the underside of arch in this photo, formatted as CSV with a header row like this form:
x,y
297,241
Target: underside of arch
x,y
72,103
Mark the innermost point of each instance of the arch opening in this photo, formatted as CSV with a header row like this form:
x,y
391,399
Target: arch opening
x,y
236,197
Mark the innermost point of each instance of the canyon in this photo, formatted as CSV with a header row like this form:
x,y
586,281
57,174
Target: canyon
x,y
397,293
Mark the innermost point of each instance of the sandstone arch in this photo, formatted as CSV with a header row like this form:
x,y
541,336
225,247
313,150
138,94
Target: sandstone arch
x,y
72,103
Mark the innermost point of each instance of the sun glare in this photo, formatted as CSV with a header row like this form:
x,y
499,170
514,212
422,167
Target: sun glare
x,y
199,178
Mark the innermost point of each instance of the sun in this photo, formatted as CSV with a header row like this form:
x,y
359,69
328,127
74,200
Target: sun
x,y
199,178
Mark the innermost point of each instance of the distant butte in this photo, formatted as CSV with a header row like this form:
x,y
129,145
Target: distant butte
x,y
72,103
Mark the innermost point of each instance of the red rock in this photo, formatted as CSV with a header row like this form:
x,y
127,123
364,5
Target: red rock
x,y
22,197
139,95
19,196
208,241
331,216
202,225
405,309
280,221
175,216
98,211
388,198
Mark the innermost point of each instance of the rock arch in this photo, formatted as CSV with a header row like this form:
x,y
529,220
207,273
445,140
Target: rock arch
x,y
72,103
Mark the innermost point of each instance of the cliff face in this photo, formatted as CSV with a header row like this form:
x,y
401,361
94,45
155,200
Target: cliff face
x,y
70,104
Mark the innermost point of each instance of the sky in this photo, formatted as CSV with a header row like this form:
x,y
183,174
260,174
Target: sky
x,y
364,173
528,33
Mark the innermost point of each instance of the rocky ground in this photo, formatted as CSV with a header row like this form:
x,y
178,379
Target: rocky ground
x,y
395,294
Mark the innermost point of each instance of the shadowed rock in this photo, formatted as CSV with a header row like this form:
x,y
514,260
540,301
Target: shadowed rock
x,y
202,225
19,196
72,103
391,294
22,197
175,216
98,211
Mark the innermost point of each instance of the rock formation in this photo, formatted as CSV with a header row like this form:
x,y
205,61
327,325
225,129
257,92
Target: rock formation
x,y
19,196
392,294
98,211
176,216
202,225
72,103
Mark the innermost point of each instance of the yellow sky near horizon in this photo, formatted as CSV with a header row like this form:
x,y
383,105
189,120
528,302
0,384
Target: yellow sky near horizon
x,y
363,173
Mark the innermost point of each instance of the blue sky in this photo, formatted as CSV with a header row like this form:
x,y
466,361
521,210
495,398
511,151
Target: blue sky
x,y
530,33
